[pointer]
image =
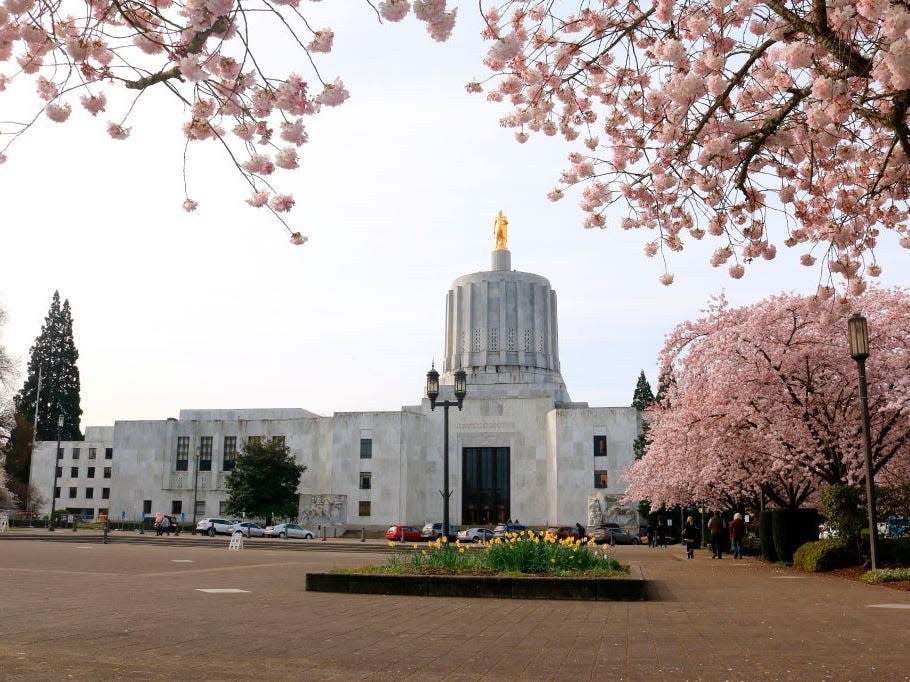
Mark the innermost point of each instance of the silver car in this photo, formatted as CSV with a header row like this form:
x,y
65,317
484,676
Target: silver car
x,y
248,528
475,535
210,526
289,530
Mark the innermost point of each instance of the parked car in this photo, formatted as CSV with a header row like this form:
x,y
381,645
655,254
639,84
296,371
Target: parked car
x,y
475,535
614,535
503,528
210,526
403,534
563,532
433,531
289,530
248,528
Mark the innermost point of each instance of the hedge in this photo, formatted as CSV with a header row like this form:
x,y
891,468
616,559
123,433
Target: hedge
x,y
765,536
790,528
824,555
885,575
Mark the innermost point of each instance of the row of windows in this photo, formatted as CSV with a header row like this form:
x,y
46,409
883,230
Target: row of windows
x,y
89,472
177,507
89,493
92,453
229,451
601,480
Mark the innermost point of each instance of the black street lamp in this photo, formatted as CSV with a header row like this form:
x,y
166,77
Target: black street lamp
x,y
50,525
859,351
461,388
195,489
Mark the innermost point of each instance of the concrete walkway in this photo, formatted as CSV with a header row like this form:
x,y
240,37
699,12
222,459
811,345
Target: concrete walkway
x,y
92,612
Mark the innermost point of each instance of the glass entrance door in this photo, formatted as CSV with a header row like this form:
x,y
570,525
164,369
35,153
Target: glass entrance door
x,y
485,486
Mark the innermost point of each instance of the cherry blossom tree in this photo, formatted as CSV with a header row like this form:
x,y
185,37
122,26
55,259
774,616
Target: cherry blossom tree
x,y
200,51
758,122
765,402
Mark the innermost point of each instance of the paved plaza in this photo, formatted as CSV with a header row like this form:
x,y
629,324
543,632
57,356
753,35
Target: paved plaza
x,y
87,611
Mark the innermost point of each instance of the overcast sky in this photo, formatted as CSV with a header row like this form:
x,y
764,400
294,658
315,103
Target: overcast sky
x,y
397,192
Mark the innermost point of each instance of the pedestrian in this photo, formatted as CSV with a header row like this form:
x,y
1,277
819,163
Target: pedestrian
x,y
166,526
581,531
716,528
661,533
737,533
157,523
652,534
690,537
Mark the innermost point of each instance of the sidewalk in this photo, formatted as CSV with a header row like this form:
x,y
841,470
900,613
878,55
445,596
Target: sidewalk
x,y
92,611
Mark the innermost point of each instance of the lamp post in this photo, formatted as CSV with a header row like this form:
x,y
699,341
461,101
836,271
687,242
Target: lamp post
x,y
859,351
50,525
461,388
195,489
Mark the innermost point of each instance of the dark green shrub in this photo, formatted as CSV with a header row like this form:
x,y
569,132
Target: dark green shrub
x,y
765,536
823,555
885,575
895,552
790,528
844,508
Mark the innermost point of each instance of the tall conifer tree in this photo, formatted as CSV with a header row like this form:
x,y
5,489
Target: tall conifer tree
x,y
54,351
641,400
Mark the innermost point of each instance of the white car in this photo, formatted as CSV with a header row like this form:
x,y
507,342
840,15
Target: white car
x,y
248,528
289,530
211,526
475,535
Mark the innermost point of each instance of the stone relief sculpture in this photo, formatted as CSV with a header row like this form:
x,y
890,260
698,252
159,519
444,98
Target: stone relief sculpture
x,y
609,509
322,510
595,512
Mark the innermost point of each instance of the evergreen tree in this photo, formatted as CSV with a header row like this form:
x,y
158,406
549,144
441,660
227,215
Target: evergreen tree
x,y
54,351
264,482
643,395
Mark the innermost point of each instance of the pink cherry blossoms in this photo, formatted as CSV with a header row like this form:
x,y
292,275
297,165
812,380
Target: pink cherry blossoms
x,y
763,402
198,50
757,122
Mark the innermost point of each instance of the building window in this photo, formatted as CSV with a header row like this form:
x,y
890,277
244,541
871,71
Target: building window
x,y
102,510
59,472
89,493
200,507
601,479
366,449
74,472
253,441
600,446
363,509
205,453
222,507
91,472
278,440
57,493
59,453
176,506
107,472
230,452
76,453
183,453
365,477
108,453
146,506
105,493
72,493
92,453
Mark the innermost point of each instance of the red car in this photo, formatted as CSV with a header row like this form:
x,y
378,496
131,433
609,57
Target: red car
x,y
403,534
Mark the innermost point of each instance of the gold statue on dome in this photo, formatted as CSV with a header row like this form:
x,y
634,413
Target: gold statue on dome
x,y
501,231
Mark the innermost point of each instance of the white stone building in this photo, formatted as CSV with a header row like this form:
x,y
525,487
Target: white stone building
x,y
520,448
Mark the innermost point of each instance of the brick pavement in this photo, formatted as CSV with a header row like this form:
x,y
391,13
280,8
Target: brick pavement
x,y
93,612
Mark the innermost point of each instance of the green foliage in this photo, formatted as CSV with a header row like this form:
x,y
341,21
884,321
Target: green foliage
x,y
54,351
518,554
790,528
824,555
643,395
894,551
640,444
843,506
766,537
885,575
264,482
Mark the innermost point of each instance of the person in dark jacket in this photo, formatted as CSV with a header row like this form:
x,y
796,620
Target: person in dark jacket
x,y
690,537
661,533
716,528
737,533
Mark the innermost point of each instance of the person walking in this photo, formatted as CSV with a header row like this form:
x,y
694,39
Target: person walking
x,y
737,533
716,528
166,526
652,534
690,537
661,533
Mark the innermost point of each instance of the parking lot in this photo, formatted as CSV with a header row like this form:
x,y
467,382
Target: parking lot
x,y
163,609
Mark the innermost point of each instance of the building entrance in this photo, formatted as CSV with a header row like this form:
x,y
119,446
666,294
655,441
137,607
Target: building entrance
x,y
485,486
